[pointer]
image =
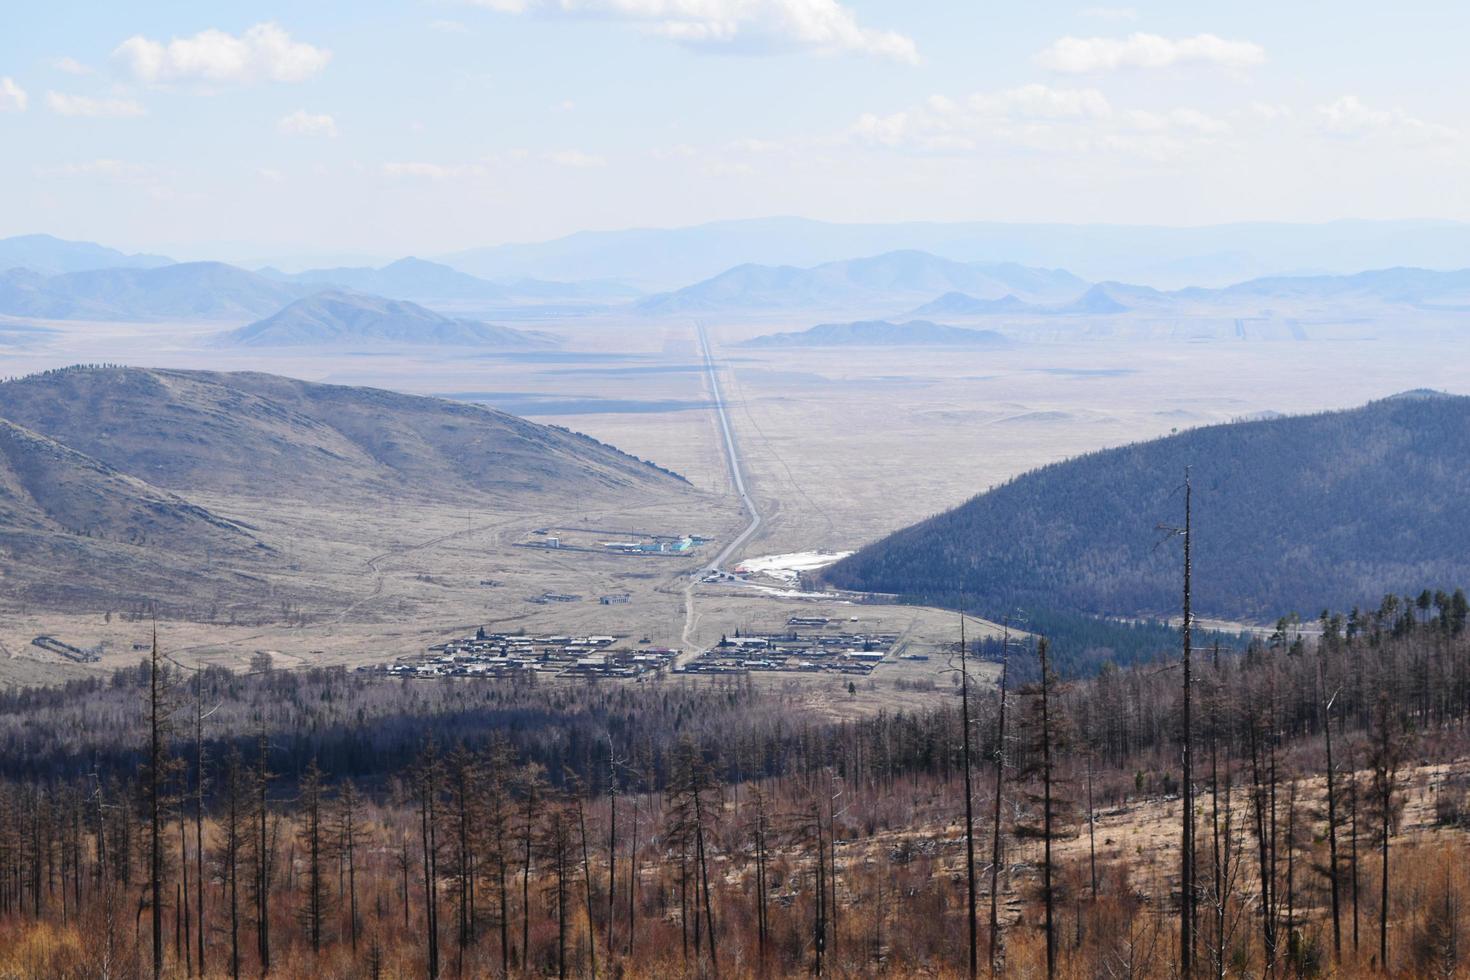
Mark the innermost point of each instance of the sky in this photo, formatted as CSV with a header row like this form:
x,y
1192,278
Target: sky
x,y
390,127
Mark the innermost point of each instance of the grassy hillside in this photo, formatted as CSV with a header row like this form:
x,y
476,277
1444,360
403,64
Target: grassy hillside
x,y
262,435
73,529
1291,514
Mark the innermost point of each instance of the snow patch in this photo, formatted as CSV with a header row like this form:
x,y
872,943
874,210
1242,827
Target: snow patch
x,y
788,568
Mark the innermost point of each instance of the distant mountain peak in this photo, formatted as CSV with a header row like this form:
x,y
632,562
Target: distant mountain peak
x,y
342,319
52,255
1420,394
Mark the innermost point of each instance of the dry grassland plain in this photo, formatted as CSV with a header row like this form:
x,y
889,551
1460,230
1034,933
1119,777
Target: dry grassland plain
x,y
838,446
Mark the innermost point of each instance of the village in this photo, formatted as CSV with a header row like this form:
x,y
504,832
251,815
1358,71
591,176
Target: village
x,y
613,541
809,644
505,655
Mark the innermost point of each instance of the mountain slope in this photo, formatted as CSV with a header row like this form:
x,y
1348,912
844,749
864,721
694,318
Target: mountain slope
x,y
963,304
185,291
409,278
894,277
76,531
881,333
47,486
344,319
50,255
258,435
1291,514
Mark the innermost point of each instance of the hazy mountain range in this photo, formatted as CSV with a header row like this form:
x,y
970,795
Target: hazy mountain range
x,y
1292,514
333,318
893,280
1163,257
184,291
47,278
424,281
880,280
1420,288
906,283
50,255
881,333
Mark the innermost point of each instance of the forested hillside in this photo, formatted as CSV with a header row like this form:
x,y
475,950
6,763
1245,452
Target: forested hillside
x,y
1290,515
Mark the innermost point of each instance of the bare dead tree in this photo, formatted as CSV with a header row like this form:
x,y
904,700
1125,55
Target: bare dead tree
x,y
262,852
156,777
996,849
1334,874
972,919
314,910
1187,904
429,785
1390,744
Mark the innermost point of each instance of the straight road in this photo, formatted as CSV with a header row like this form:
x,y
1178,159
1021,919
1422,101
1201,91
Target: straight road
x,y
732,455
737,477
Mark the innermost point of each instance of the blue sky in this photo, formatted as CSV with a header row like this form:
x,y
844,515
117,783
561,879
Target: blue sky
x,y
386,127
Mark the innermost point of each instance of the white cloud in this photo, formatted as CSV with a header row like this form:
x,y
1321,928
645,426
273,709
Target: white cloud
x,y
1271,111
754,146
679,151
264,52
736,25
1111,13
1040,118
72,66
943,123
435,171
1080,55
13,98
105,167
448,27
1349,116
565,105
1041,102
721,169
575,158
271,174
303,123
1188,120
82,105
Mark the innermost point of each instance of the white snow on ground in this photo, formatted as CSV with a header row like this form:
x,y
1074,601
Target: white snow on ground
x,y
788,568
